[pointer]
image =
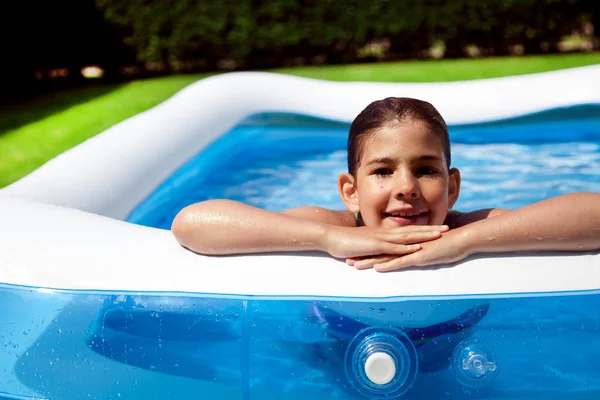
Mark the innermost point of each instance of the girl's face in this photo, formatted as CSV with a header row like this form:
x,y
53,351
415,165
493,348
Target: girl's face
x,y
402,179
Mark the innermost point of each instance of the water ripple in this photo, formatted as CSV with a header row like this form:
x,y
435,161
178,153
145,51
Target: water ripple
x,y
296,172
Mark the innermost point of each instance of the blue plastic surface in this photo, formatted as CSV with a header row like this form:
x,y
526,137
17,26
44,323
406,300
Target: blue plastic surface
x,y
74,345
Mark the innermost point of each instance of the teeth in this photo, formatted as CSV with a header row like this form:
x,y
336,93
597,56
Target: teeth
x,y
405,214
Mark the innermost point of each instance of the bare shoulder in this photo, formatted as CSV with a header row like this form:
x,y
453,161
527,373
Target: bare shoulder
x,y
325,215
456,219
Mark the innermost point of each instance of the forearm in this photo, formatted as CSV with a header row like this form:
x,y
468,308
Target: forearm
x,y
564,223
220,227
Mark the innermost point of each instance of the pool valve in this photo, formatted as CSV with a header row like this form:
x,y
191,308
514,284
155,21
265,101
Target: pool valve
x,y
381,363
474,364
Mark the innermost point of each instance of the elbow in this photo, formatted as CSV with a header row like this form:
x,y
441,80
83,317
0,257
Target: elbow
x,y
180,226
184,229
205,228
192,228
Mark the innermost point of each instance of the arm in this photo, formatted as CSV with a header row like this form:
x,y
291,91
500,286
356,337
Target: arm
x,y
229,227
569,222
456,219
219,227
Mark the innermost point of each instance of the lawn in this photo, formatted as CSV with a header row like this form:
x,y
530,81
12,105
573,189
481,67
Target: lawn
x,y
34,131
445,70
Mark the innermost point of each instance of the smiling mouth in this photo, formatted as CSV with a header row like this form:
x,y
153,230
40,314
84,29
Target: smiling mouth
x,y
405,215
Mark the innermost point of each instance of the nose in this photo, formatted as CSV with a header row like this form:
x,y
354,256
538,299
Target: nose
x,y
406,186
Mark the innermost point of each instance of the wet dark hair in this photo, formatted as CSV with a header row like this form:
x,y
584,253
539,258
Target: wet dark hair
x,y
389,112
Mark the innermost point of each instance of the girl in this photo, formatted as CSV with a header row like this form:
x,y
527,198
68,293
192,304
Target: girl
x,y
399,189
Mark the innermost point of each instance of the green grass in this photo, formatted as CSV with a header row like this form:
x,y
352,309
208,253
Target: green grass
x,y
445,70
34,131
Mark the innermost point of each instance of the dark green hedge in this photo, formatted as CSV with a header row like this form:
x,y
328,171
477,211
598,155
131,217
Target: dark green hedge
x,y
208,34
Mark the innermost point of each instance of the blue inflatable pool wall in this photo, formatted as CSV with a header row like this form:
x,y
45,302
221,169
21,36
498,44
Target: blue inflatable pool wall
x,y
120,345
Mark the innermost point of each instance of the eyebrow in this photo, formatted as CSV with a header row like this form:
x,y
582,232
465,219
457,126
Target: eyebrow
x,y
382,160
388,160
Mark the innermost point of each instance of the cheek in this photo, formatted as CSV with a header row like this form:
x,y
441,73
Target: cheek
x,y
441,198
377,185
437,195
372,194
375,190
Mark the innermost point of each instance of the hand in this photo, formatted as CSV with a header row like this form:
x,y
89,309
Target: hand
x,y
450,248
345,242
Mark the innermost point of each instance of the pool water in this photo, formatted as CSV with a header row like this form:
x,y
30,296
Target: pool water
x,y
277,161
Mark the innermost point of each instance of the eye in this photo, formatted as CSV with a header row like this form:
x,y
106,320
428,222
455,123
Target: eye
x,y
383,171
426,171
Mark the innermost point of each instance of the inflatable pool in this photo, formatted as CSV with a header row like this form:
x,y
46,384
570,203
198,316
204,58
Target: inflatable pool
x,y
98,301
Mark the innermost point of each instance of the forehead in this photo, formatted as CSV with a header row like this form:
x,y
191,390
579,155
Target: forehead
x,y
409,139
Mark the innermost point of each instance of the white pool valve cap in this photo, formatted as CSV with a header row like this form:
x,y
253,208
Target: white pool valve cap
x,y
380,368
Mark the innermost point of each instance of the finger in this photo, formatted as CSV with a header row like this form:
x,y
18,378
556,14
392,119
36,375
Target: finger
x,y
391,265
352,260
421,228
370,262
365,260
399,249
410,260
414,237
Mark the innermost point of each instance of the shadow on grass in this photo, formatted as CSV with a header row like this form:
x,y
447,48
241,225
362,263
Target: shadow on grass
x,y
26,111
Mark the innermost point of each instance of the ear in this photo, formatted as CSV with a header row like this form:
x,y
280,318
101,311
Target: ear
x,y
453,187
348,192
